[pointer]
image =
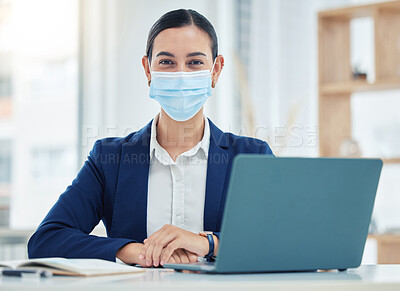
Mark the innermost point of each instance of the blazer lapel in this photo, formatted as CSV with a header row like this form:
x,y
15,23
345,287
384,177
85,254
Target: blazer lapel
x,y
130,205
219,158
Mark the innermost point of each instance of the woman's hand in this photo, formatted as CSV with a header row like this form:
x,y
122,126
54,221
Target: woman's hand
x,y
161,245
181,256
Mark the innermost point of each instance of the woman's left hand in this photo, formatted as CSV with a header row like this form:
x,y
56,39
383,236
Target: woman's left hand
x,y
159,247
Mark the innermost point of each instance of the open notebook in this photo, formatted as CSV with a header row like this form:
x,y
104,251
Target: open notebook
x,y
73,267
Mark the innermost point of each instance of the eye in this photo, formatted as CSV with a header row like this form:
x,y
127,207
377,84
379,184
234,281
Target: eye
x,y
196,62
166,62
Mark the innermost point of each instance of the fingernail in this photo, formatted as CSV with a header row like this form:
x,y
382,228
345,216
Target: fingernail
x,y
162,262
148,263
141,257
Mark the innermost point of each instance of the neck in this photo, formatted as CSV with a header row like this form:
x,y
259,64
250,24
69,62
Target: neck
x,y
179,136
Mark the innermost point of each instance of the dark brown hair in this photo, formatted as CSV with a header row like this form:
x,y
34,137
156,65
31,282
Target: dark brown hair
x,y
181,18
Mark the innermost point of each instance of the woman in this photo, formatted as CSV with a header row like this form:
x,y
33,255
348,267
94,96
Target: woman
x,y
157,189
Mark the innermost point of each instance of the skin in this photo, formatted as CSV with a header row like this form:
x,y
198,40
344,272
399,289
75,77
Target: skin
x,y
185,49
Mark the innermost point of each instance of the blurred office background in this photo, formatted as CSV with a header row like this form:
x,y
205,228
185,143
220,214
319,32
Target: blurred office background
x,y
71,73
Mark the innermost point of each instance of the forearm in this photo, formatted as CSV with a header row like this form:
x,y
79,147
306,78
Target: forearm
x,y
57,240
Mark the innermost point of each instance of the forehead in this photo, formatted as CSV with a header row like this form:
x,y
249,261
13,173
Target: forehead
x,y
182,40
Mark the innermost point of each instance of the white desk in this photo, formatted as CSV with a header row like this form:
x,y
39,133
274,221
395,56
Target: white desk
x,y
381,277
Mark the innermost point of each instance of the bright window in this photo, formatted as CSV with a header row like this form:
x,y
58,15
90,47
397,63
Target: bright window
x,y
38,106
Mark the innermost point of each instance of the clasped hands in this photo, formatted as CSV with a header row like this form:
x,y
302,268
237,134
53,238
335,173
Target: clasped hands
x,y
170,244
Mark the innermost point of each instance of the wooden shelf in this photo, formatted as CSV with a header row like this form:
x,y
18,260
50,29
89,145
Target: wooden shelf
x,y
336,85
391,161
358,86
388,248
358,11
385,236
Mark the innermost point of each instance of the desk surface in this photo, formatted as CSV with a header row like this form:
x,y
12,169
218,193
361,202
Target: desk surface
x,y
380,277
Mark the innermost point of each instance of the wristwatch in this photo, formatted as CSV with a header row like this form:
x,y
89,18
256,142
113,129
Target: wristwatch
x,y
210,237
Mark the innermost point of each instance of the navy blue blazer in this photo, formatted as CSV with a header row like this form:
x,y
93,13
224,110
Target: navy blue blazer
x,y
112,187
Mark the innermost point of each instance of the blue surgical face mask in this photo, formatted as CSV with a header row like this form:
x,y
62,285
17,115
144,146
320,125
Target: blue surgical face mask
x,y
181,94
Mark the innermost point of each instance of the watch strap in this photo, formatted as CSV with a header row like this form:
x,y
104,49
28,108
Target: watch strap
x,y
210,254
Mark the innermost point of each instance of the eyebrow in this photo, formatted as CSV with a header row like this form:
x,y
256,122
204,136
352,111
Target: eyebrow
x,y
165,54
195,54
188,55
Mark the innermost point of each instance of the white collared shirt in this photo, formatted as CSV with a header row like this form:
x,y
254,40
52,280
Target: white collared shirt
x,y
176,190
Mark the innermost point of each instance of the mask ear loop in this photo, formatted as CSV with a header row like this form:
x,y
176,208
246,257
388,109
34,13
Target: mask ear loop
x,y
212,69
211,72
149,82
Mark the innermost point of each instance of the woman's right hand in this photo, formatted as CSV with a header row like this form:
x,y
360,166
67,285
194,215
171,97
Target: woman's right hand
x,y
181,256
129,254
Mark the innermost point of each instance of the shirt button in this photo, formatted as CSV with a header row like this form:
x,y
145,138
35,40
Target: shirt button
x,y
178,178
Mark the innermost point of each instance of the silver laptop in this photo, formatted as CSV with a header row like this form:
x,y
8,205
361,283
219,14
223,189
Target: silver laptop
x,y
294,214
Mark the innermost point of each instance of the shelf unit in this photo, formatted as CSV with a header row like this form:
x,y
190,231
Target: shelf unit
x,y
387,248
336,84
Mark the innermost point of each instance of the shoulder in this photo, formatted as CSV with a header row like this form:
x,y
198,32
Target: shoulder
x,y
113,145
245,144
237,143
